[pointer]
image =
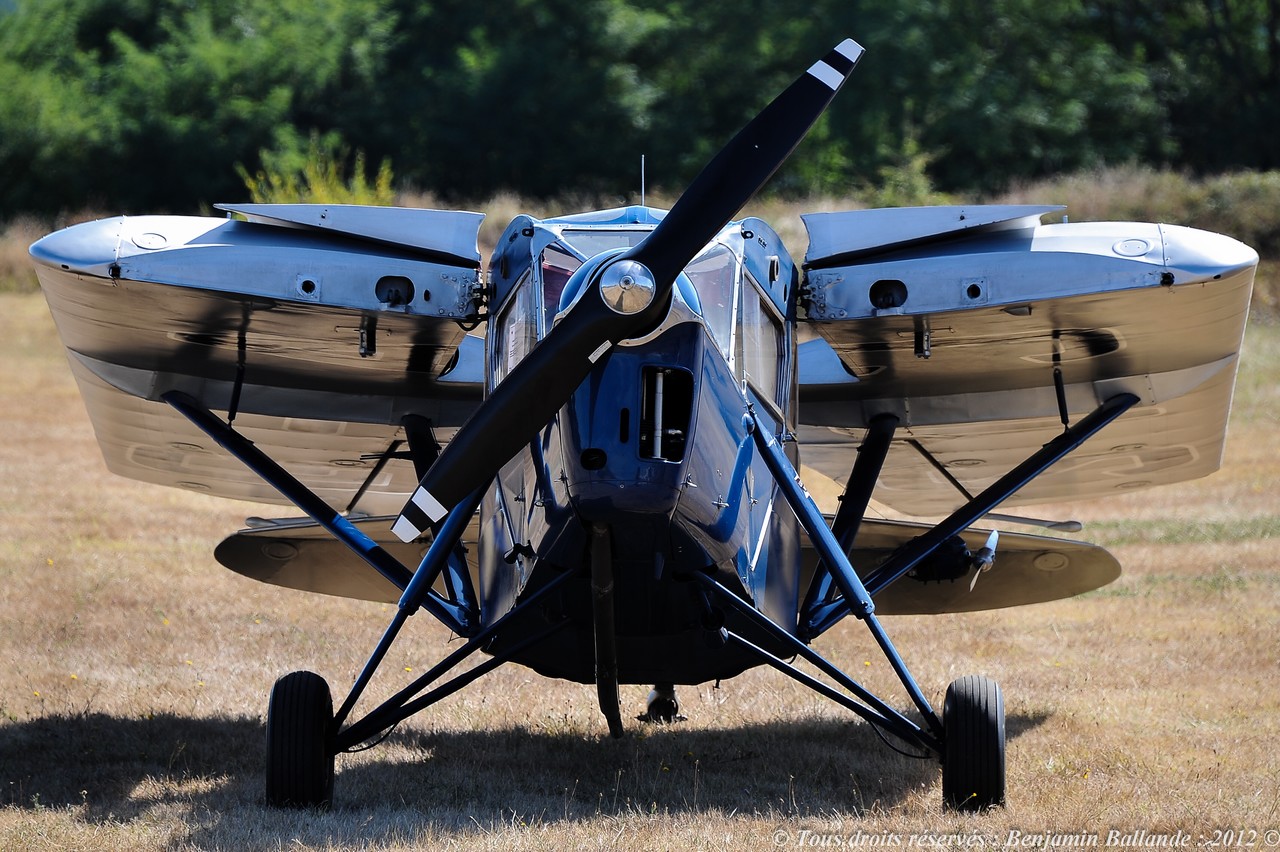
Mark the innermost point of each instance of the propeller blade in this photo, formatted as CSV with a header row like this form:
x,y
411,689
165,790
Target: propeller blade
x,y
744,165
623,296
984,558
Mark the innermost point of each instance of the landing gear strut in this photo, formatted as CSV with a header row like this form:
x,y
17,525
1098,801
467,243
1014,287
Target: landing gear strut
x,y
605,635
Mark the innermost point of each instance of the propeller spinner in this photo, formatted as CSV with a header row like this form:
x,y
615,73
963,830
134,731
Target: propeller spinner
x,y
627,295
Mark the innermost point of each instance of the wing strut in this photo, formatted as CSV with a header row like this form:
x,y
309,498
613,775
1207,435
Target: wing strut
x,y
851,587
853,503
459,618
822,617
1004,488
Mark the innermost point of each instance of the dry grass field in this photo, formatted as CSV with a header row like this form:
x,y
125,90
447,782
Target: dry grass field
x,y
136,673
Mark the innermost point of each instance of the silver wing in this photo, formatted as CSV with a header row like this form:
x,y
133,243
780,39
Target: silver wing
x,y
980,329
320,327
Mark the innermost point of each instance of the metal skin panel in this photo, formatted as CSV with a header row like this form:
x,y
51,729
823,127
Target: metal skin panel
x,y
243,259
1151,445
217,309
306,557
766,259
150,442
157,335
1016,311
1157,311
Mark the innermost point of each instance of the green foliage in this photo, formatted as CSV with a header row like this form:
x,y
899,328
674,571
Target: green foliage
x,y
150,104
1215,69
319,177
905,183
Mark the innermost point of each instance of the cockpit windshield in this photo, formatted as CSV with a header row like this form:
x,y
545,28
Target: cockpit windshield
x,y
714,275
591,243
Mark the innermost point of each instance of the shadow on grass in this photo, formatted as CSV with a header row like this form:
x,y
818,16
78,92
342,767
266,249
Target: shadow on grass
x,y
208,773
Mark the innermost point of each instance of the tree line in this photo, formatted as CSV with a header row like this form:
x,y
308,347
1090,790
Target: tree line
x,y
137,105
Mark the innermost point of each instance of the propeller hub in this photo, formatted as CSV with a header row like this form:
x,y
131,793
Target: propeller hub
x,y
627,286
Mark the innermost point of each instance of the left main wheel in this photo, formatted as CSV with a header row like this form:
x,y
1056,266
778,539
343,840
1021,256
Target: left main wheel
x,y
973,764
300,750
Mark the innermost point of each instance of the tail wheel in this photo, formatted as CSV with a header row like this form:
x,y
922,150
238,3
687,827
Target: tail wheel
x,y
973,758
662,706
300,750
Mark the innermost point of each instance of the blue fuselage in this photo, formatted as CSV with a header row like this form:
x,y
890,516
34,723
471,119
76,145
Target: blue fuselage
x,y
653,447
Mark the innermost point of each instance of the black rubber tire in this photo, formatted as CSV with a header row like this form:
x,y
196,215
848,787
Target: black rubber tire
x,y
300,750
973,763
662,706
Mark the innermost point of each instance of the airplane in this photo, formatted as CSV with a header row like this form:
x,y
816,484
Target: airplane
x,y
604,485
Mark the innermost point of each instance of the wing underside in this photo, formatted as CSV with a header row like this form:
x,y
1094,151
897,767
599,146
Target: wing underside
x,y
1027,569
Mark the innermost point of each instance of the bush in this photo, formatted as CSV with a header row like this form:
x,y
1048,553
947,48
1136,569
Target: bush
x,y
318,177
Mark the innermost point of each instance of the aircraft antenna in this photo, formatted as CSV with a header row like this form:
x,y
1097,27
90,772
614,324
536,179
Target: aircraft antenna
x,y
642,180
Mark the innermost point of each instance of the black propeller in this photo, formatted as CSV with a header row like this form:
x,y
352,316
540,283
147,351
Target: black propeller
x,y
626,295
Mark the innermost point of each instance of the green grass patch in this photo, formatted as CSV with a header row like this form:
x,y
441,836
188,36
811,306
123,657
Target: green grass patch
x,y
1178,531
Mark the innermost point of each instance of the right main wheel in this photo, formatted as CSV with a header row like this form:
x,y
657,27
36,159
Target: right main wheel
x,y
300,750
973,755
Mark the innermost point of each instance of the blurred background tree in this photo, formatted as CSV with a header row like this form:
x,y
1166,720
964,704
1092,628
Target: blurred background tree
x,y
169,105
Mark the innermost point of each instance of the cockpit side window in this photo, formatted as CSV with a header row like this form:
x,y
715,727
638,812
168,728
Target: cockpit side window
x,y
760,342
714,275
516,330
